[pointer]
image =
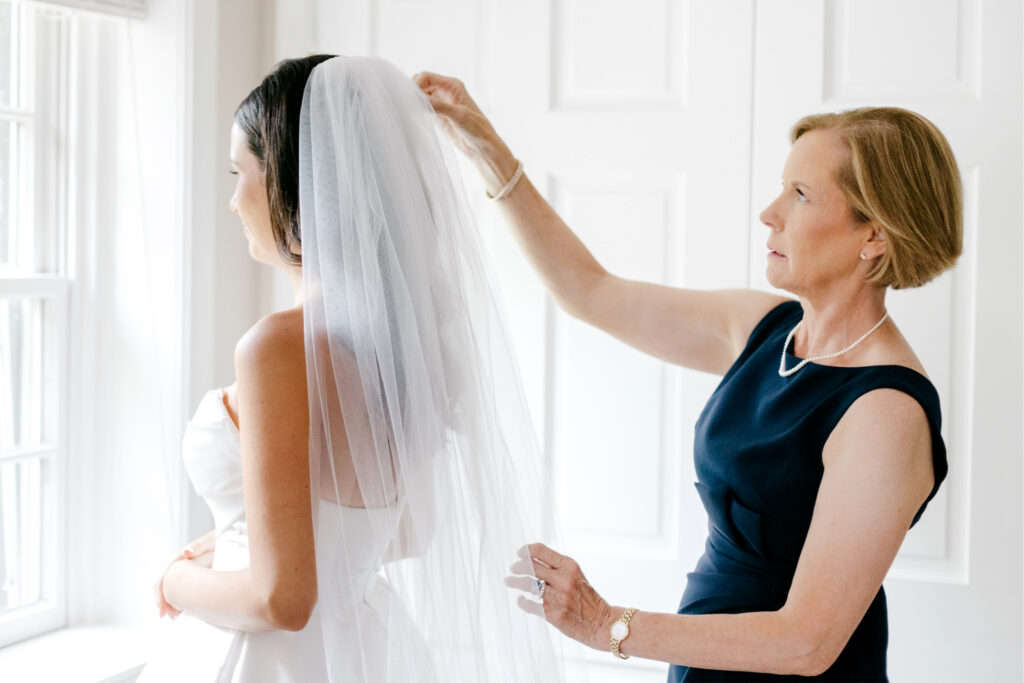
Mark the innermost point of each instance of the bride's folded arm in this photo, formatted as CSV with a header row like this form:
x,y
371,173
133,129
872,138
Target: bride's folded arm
x,y
278,589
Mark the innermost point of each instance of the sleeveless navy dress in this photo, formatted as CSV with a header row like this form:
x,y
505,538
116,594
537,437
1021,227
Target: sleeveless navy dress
x,y
757,451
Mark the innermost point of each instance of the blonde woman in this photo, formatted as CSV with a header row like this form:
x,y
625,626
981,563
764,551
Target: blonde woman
x,y
821,446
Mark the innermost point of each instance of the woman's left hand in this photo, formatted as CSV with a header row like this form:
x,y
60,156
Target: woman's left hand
x,y
191,554
163,607
570,603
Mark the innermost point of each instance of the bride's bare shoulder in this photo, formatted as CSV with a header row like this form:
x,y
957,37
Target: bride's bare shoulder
x,y
277,336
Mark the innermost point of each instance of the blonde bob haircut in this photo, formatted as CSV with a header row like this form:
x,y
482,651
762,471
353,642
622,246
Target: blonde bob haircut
x,y
900,173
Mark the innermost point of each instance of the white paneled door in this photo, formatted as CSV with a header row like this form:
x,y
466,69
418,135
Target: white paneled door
x,y
658,128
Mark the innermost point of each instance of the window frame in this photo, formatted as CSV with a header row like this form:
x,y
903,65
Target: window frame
x,y
43,76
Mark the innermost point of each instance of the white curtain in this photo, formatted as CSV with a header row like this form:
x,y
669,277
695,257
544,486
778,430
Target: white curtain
x,y
126,483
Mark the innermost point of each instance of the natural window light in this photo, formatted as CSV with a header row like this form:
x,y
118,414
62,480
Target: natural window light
x,y
34,289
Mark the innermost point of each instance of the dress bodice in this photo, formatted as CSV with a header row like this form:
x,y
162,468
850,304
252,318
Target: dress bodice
x,y
759,441
211,450
758,448
213,460
351,544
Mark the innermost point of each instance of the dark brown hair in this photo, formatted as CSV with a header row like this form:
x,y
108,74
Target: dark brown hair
x,y
269,117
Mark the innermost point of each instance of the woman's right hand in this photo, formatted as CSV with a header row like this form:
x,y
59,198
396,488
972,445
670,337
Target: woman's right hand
x,y
197,550
468,128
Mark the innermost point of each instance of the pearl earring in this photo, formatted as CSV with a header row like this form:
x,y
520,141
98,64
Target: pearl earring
x,y
863,257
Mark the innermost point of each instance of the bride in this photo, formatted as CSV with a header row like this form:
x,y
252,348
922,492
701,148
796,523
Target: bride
x,y
372,472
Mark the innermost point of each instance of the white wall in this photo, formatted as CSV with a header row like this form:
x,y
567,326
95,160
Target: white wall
x,y
245,56
229,291
659,129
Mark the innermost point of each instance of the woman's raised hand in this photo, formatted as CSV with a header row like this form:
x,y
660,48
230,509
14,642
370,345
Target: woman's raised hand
x,y
569,602
468,128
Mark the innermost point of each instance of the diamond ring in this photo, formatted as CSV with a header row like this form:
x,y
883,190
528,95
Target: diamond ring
x,y
541,585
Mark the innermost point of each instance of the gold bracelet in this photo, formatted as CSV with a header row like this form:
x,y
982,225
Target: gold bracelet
x,y
510,185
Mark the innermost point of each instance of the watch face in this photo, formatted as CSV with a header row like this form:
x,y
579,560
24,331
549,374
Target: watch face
x,y
619,630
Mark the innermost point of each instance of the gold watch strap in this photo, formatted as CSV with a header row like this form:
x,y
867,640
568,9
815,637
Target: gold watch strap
x,y
614,645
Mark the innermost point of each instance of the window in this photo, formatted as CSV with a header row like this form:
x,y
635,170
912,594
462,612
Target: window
x,y
34,295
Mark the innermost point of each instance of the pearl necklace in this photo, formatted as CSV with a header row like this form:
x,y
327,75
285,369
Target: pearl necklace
x,y
783,372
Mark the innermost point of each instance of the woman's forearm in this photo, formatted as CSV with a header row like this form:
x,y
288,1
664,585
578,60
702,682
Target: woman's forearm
x,y
565,265
780,642
567,268
223,598
768,642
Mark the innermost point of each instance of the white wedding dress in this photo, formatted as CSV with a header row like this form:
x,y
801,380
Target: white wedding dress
x,y
190,649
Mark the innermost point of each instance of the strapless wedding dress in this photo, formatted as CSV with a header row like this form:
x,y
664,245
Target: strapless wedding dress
x,y
190,649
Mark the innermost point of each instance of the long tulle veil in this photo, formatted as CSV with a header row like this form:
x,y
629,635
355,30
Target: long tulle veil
x,y
416,411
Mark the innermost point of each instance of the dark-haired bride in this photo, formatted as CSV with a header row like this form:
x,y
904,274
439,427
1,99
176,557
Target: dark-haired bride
x,y
372,471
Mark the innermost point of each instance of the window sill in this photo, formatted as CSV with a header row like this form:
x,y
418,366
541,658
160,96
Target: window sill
x,y
85,654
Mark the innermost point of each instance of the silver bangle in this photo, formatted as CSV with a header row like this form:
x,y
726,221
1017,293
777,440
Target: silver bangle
x,y
510,185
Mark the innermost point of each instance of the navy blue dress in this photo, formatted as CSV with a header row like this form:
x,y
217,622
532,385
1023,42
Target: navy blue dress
x,y
757,450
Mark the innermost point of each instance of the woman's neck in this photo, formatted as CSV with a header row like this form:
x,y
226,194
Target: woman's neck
x,y
830,325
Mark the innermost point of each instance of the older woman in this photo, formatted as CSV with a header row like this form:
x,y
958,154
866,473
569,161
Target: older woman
x,y
820,447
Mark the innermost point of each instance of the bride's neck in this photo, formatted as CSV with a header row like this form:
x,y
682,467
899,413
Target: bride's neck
x,y
294,274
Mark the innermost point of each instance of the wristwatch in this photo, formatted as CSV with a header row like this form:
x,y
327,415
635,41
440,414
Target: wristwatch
x,y
619,632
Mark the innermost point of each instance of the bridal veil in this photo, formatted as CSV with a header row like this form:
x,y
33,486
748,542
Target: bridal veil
x,y
418,426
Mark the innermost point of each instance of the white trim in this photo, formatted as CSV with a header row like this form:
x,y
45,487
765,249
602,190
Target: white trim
x,y
42,452
76,655
201,163
33,285
20,115
133,9
83,172
26,622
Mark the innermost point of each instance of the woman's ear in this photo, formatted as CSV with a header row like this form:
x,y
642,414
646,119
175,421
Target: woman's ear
x,y
875,245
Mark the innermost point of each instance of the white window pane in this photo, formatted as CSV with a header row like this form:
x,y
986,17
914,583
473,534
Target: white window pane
x,y
24,350
8,234
19,237
6,52
21,532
